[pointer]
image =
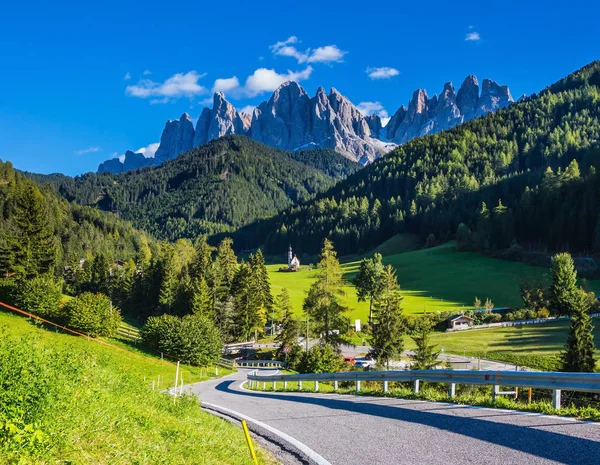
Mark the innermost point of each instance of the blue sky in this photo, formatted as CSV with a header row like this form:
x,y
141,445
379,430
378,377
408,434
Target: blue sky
x,y
82,82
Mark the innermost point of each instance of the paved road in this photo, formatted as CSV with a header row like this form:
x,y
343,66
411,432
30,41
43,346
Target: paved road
x,y
351,430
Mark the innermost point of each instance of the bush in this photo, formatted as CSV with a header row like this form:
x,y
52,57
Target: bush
x,y
92,314
40,295
192,339
7,291
321,359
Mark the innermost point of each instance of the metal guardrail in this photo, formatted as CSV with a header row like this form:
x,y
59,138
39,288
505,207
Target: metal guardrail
x,y
226,362
260,363
583,382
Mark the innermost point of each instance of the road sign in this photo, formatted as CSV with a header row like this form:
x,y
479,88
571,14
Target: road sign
x,y
286,350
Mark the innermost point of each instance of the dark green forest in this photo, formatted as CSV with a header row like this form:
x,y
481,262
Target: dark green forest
x,y
40,232
216,187
524,176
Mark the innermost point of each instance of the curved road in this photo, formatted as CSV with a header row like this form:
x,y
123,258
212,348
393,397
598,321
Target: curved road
x,y
353,430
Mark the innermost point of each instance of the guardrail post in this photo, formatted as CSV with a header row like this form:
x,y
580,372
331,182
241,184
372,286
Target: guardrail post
x,y
358,385
264,385
495,391
274,385
452,390
556,394
417,386
335,385
385,386
316,385
285,385
300,385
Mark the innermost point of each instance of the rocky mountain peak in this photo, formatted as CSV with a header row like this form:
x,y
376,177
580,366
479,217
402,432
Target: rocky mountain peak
x,y
467,96
177,137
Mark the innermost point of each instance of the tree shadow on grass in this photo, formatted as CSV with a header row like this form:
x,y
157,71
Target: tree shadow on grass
x,y
531,440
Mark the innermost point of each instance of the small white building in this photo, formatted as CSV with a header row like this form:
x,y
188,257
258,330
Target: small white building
x,y
293,262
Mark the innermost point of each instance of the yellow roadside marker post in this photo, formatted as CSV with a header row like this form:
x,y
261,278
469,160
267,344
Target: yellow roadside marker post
x,y
249,440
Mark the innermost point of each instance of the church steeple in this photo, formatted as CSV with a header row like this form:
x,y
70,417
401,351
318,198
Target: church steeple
x,y
290,256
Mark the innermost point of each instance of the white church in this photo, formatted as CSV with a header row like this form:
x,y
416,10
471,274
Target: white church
x,y
293,262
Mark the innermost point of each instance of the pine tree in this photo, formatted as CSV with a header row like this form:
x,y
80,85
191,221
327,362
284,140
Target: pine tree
x,y
261,286
283,304
322,304
33,248
250,314
100,277
563,291
425,357
202,265
579,353
367,281
225,268
388,326
202,299
225,317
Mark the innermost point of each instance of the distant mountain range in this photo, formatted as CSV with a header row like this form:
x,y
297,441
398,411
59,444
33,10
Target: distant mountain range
x,y
292,120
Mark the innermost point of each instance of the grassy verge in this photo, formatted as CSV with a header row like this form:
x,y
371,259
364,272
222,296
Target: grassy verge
x,y
466,395
66,399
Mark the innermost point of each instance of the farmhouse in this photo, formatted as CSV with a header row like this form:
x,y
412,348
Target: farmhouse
x,y
459,321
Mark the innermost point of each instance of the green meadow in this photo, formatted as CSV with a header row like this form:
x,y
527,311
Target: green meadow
x,y
431,280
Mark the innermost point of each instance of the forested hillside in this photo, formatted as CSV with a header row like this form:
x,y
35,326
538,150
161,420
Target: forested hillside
x,y
41,232
221,185
525,175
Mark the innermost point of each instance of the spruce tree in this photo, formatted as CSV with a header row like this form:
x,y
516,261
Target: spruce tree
x,y
388,325
425,356
368,282
579,353
260,281
202,299
33,248
322,303
249,312
225,268
563,291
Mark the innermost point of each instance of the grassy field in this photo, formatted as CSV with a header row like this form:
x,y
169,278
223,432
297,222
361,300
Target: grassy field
x,y
526,345
436,279
68,399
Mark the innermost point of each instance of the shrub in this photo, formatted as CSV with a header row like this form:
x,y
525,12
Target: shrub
x,y
321,359
7,291
92,314
192,339
40,295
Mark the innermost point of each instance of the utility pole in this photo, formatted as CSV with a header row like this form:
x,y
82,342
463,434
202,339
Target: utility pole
x,y
307,332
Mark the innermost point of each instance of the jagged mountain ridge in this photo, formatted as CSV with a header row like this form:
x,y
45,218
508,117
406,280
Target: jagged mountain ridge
x,y
292,120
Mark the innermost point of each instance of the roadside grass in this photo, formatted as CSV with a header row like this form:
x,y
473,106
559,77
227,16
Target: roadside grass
x,y
67,399
435,392
431,280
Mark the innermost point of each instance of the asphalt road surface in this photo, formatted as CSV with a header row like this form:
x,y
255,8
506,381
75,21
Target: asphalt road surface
x,y
353,430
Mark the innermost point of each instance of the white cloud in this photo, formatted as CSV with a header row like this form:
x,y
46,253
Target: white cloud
x,y
149,150
384,72
177,86
147,72
226,84
127,77
325,54
88,150
473,36
267,80
374,108
249,109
